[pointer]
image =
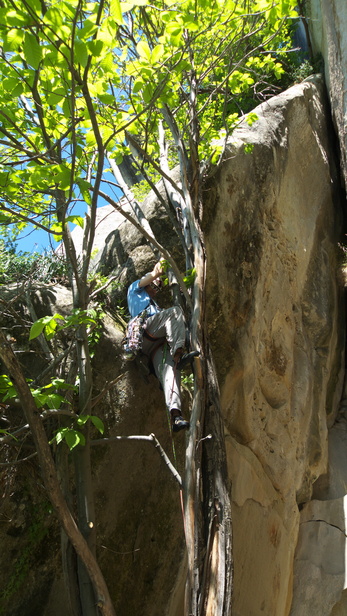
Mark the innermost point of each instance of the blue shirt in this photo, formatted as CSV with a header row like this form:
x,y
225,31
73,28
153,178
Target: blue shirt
x,y
139,300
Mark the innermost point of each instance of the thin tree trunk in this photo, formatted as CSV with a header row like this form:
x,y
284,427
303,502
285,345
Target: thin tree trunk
x,y
83,472
69,557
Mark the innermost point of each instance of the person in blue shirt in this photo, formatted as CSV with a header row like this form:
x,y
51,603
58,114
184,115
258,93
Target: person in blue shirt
x,y
163,340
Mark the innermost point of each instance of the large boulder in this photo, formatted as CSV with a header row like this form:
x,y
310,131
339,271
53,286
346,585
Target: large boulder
x,y
274,313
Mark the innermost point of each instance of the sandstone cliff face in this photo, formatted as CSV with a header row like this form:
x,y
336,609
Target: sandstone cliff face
x,y
277,333
327,21
272,223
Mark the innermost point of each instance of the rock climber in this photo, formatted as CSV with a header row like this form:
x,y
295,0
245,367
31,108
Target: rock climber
x,y
162,326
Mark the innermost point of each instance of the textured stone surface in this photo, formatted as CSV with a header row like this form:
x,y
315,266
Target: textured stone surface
x,y
328,28
276,332
320,562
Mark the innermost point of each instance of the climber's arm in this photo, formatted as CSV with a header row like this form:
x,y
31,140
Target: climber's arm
x,y
148,278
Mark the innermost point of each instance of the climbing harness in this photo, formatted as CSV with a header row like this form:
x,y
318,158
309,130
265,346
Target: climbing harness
x,y
132,341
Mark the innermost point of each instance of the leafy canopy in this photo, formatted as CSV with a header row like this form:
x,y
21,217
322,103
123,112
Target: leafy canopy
x,y
78,79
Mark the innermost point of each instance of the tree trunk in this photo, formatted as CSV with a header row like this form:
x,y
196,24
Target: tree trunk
x,y
83,472
69,557
207,493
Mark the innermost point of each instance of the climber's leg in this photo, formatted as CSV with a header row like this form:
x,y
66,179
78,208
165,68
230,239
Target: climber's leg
x,y
169,323
169,377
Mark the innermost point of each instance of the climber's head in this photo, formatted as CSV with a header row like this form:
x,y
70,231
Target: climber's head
x,y
153,288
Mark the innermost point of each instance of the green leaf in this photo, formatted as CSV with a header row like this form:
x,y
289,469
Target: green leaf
x,y
71,437
74,438
82,420
67,107
56,95
76,220
54,17
48,323
60,435
32,50
116,11
54,401
174,30
50,328
35,5
38,327
251,118
147,93
98,423
95,48
107,62
143,50
158,53
61,384
138,85
88,29
8,434
13,39
16,18
5,218
57,228
85,189
81,52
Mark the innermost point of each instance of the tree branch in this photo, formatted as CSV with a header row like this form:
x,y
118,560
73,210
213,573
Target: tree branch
x,y
149,439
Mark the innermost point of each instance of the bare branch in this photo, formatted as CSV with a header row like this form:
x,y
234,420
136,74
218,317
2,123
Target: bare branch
x,y
28,219
149,439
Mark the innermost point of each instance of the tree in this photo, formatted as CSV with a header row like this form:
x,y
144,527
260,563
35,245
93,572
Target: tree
x,y
83,86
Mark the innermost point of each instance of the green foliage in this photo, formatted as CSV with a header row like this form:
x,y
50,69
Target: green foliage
x,y
71,437
97,280
7,389
301,71
189,277
95,316
46,396
226,51
141,189
248,148
74,437
6,433
21,267
50,325
68,91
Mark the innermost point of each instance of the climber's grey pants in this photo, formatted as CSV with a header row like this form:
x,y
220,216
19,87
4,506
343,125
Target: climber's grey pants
x,y
166,325
169,324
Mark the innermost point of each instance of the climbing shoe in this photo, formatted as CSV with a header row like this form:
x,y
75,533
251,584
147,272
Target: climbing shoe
x,y
178,423
186,359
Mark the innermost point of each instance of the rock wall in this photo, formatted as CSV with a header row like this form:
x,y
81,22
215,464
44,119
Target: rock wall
x,y
277,332
327,21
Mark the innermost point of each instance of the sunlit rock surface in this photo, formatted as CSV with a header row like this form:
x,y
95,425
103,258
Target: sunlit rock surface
x,y
277,330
